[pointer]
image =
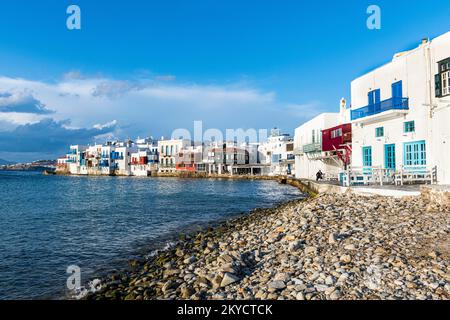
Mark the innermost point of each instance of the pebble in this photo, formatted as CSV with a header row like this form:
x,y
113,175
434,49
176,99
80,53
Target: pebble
x,y
329,247
229,278
277,285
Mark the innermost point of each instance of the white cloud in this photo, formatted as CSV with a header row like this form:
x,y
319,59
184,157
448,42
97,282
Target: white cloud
x,y
148,107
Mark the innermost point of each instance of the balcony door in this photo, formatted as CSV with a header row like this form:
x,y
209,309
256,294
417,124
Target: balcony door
x,y
374,101
397,89
397,94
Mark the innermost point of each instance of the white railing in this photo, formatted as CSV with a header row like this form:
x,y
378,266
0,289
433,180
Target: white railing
x,y
382,176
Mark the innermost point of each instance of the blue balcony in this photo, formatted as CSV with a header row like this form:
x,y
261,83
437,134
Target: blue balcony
x,y
104,163
386,105
116,156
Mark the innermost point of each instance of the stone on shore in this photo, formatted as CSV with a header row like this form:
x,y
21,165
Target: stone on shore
x,y
329,247
229,278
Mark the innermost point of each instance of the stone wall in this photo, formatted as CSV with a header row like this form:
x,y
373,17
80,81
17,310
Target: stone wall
x,y
437,195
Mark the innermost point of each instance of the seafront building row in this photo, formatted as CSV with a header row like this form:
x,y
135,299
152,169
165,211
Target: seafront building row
x,y
145,157
395,131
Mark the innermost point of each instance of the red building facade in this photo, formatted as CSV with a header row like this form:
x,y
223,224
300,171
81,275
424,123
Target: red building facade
x,y
338,139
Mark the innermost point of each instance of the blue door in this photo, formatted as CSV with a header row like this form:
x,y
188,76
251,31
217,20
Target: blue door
x,y
374,101
367,160
397,89
397,94
389,156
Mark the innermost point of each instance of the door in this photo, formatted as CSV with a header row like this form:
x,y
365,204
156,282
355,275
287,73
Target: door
x,y
374,101
397,94
367,160
389,158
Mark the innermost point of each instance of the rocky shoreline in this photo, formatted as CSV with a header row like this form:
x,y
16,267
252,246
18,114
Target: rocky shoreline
x,y
326,247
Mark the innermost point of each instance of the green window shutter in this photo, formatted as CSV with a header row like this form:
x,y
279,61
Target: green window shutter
x,y
437,85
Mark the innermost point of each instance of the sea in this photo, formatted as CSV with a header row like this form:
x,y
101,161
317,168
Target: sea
x,y
49,224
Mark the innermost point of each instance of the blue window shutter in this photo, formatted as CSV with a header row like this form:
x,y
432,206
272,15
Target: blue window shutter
x,y
437,85
371,98
397,89
377,96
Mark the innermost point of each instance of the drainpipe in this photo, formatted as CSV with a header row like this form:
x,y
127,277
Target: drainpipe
x,y
430,82
432,144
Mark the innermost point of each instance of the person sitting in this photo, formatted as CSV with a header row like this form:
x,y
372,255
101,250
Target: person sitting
x,y
319,175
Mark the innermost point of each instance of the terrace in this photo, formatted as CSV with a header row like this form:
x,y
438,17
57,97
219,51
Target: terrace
x,y
312,147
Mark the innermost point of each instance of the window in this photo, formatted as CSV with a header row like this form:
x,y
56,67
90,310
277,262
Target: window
x,y
445,83
409,127
367,156
415,154
442,79
336,133
445,65
379,132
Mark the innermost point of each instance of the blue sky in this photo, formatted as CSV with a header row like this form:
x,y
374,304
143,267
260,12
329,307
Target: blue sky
x,y
148,67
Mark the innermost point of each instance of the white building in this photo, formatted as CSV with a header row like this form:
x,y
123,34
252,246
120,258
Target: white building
x,y
92,159
401,112
76,158
107,165
278,153
168,150
145,159
122,158
308,145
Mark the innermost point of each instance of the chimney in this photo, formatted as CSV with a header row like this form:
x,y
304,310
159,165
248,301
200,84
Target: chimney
x,y
343,111
343,104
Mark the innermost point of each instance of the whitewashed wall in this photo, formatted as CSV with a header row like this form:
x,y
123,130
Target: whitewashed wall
x,y
416,69
305,167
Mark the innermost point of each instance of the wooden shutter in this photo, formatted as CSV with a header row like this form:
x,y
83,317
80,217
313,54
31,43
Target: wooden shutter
x,y
438,85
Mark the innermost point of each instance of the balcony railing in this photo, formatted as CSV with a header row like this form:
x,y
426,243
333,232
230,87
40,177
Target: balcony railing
x,y
312,147
167,165
386,105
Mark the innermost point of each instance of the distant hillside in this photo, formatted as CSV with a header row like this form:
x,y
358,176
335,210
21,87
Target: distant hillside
x,y
5,162
39,165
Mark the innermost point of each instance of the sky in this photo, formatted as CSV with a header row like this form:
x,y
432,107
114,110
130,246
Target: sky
x,y
146,68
